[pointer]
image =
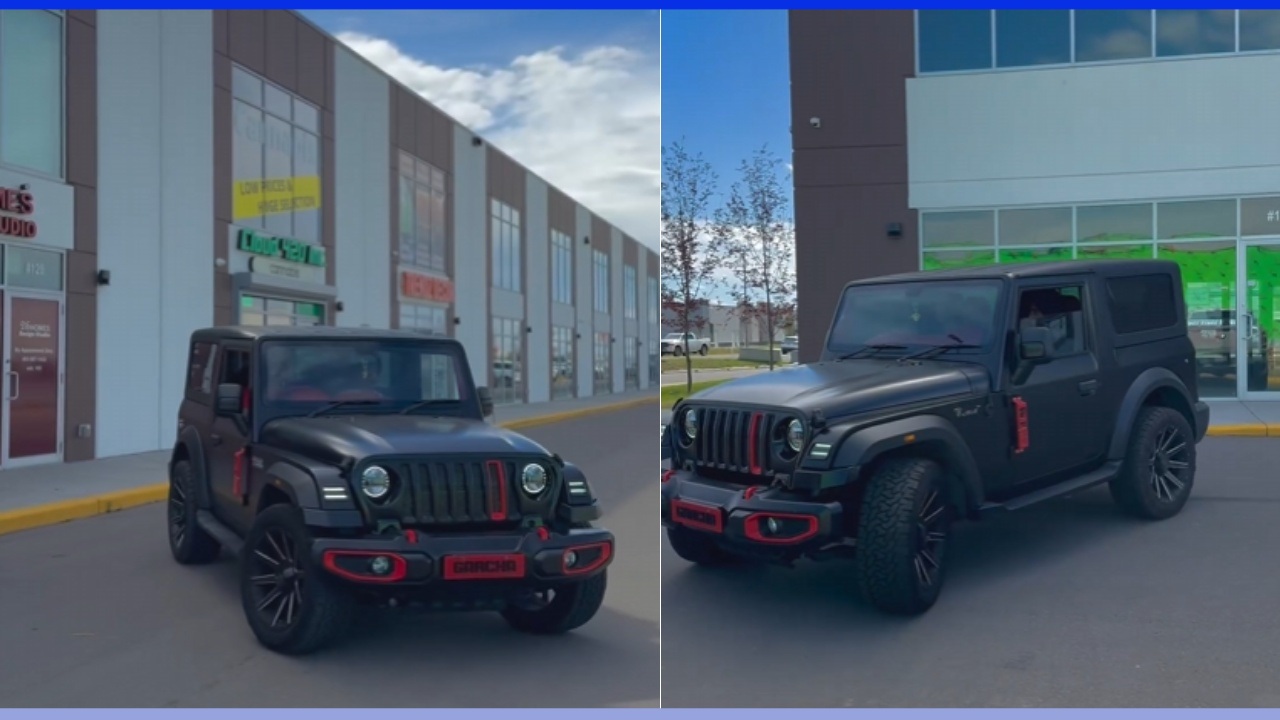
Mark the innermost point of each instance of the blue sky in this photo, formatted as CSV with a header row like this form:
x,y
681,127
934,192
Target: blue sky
x,y
726,84
575,95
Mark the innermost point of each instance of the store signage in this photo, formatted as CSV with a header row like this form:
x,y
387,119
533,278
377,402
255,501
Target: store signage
x,y
417,286
289,271
17,205
288,249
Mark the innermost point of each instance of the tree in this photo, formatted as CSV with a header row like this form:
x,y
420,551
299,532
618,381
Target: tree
x,y
755,231
688,254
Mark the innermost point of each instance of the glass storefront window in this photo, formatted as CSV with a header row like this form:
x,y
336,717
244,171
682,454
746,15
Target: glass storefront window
x,y
508,368
31,90
562,362
29,267
603,370
259,311
427,319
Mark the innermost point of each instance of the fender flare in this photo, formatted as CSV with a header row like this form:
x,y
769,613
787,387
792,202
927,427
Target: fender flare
x,y
1150,381
935,434
189,442
297,483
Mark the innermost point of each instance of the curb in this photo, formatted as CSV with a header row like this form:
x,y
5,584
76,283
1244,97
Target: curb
x,y
1244,430
54,513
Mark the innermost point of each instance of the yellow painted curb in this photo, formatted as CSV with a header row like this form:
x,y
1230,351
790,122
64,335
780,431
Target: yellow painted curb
x,y
1248,430
12,521
64,510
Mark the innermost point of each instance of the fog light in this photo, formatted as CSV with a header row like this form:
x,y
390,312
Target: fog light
x,y
380,565
772,524
570,559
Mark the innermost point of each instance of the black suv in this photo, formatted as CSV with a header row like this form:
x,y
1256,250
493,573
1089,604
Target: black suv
x,y
940,396
349,466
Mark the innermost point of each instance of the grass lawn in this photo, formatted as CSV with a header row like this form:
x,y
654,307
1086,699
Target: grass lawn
x,y
714,361
672,393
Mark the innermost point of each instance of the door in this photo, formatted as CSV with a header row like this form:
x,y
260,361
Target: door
x,y
1064,395
33,379
1252,328
228,436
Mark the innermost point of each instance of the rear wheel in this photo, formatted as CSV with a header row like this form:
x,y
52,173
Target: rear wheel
x,y
291,605
558,610
696,547
1159,467
902,536
703,350
188,542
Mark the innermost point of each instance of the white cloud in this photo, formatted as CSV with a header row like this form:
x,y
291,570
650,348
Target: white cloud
x,y
589,123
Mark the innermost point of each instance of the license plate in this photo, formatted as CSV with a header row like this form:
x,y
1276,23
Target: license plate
x,y
484,567
697,515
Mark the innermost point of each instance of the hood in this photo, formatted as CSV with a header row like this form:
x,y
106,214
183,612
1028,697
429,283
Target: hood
x,y
851,386
337,439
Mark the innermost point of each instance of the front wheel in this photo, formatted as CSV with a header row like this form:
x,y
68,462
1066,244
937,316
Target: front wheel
x,y
1159,466
703,350
558,610
291,605
902,536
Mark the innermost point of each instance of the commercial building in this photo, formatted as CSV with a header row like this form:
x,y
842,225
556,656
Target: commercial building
x,y
166,170
939,138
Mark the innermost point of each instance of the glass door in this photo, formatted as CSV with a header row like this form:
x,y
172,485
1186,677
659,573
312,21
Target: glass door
x,y
33,344
1253,327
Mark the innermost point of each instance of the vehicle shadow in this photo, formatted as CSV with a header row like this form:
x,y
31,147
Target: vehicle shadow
x,y
413,658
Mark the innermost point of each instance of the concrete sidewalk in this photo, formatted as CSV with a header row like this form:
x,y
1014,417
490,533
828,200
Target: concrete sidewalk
x,y
30,497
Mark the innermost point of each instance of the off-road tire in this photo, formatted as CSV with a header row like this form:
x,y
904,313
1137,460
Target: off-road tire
x,y
327,609
572,607
188,542
1141,489
696,548
891,542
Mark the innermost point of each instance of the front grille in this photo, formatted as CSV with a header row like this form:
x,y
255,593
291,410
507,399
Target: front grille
x,y
736,442
462,492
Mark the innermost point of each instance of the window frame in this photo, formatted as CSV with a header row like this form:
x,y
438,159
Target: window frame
x,y
1087,330
562,268
415,184
500,249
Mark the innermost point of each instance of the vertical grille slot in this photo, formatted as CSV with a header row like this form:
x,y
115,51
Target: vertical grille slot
x,y
454,493
735,441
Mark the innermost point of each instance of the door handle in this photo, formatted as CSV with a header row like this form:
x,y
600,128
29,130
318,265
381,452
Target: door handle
x,y
15,385
1088,387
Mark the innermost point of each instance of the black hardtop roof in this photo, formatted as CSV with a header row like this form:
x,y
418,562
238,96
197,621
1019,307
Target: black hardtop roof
x,y
312,332
1016,271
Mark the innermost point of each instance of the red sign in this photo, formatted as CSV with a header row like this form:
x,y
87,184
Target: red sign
x,y
424,287
20,203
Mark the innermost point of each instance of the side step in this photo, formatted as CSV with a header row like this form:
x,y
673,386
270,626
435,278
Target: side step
x,y
1076,484
230,542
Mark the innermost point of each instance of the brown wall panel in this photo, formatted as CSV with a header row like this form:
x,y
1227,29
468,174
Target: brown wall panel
x,y
850,172
246,39
82,103
601,236
631,253
221,32
282,49
562,213
312,64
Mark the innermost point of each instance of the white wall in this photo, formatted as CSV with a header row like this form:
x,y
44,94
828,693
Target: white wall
x,y
584,294
470,219
362,220
155,217
1160,129
616,311
537,289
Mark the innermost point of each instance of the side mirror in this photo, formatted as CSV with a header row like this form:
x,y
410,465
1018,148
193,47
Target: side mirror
x,y
1035,345
229,395
486,401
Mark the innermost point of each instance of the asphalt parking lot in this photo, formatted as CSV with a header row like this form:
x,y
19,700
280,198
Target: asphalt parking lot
x,y
95,613
1069,604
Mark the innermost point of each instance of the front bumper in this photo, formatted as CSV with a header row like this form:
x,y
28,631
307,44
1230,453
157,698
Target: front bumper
x,y
738,517
1202,419
508,560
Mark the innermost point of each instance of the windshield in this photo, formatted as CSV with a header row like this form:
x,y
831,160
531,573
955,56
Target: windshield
x,y
916,314
312,373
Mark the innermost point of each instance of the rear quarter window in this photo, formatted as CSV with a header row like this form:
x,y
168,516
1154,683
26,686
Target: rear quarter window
x,y
200,371
1142,303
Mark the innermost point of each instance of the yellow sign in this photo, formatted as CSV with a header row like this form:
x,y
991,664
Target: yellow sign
x,y
255,198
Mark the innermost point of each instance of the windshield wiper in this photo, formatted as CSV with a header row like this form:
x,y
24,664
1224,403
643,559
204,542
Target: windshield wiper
x,y
958,344
342,403
425,403
871,348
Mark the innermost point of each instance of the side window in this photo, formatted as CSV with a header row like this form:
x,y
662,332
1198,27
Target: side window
x,y
1061,309
1142,302
200,371
235,368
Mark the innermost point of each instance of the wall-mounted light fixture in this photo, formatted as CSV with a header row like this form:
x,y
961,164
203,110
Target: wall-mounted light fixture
x,y
476,141
528,328
894,230
586,239
457,320
104,277
339,307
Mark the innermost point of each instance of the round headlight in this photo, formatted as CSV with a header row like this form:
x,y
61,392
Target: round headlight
x,y
533,479
375,482
795,435
691,424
